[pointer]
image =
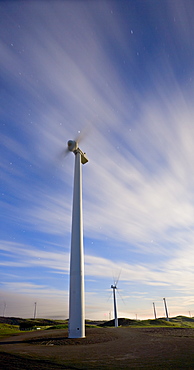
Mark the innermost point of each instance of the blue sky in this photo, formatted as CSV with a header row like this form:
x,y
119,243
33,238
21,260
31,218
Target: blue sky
x,y
121,74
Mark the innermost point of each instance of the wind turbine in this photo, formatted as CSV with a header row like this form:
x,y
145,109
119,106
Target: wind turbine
x,y
166,309
35,304
114,287
76,327
154,307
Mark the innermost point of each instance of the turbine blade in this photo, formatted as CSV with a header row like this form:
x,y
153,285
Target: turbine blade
x,y
121,296
63,154
85,131
57,161
109,296
114,280
81,136
118,278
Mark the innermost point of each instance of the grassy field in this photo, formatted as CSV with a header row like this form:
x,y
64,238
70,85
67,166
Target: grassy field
x,y
10,326
178,322
8,330
135,344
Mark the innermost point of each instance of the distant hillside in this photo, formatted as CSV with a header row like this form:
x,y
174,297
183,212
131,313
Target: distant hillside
x,y
32,322
178,321
18,320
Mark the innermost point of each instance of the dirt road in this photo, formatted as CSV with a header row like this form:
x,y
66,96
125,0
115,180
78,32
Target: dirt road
x,y
103,348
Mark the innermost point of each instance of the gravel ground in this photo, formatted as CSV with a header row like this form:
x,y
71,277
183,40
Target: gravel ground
x,y
103,348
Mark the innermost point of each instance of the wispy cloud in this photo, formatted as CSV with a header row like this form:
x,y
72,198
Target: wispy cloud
x,y
130,75
30,256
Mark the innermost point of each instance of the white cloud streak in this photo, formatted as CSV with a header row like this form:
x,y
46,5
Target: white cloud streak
x,y
138,185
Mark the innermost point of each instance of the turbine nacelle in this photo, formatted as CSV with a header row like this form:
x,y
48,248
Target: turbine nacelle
x,y
73,147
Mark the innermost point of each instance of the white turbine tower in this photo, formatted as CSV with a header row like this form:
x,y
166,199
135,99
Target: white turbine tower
x,y
114,287
166,309
76,296
154,307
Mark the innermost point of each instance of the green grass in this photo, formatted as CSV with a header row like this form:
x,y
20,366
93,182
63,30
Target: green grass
x,y
59,326
6,330
175,322
183,321
29,324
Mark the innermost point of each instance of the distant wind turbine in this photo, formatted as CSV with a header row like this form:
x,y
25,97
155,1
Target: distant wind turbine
x,y
76,296
114,287
4,308
154,310
35,309
166,310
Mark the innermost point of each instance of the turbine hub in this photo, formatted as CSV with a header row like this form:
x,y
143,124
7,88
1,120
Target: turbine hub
x,y
72,145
